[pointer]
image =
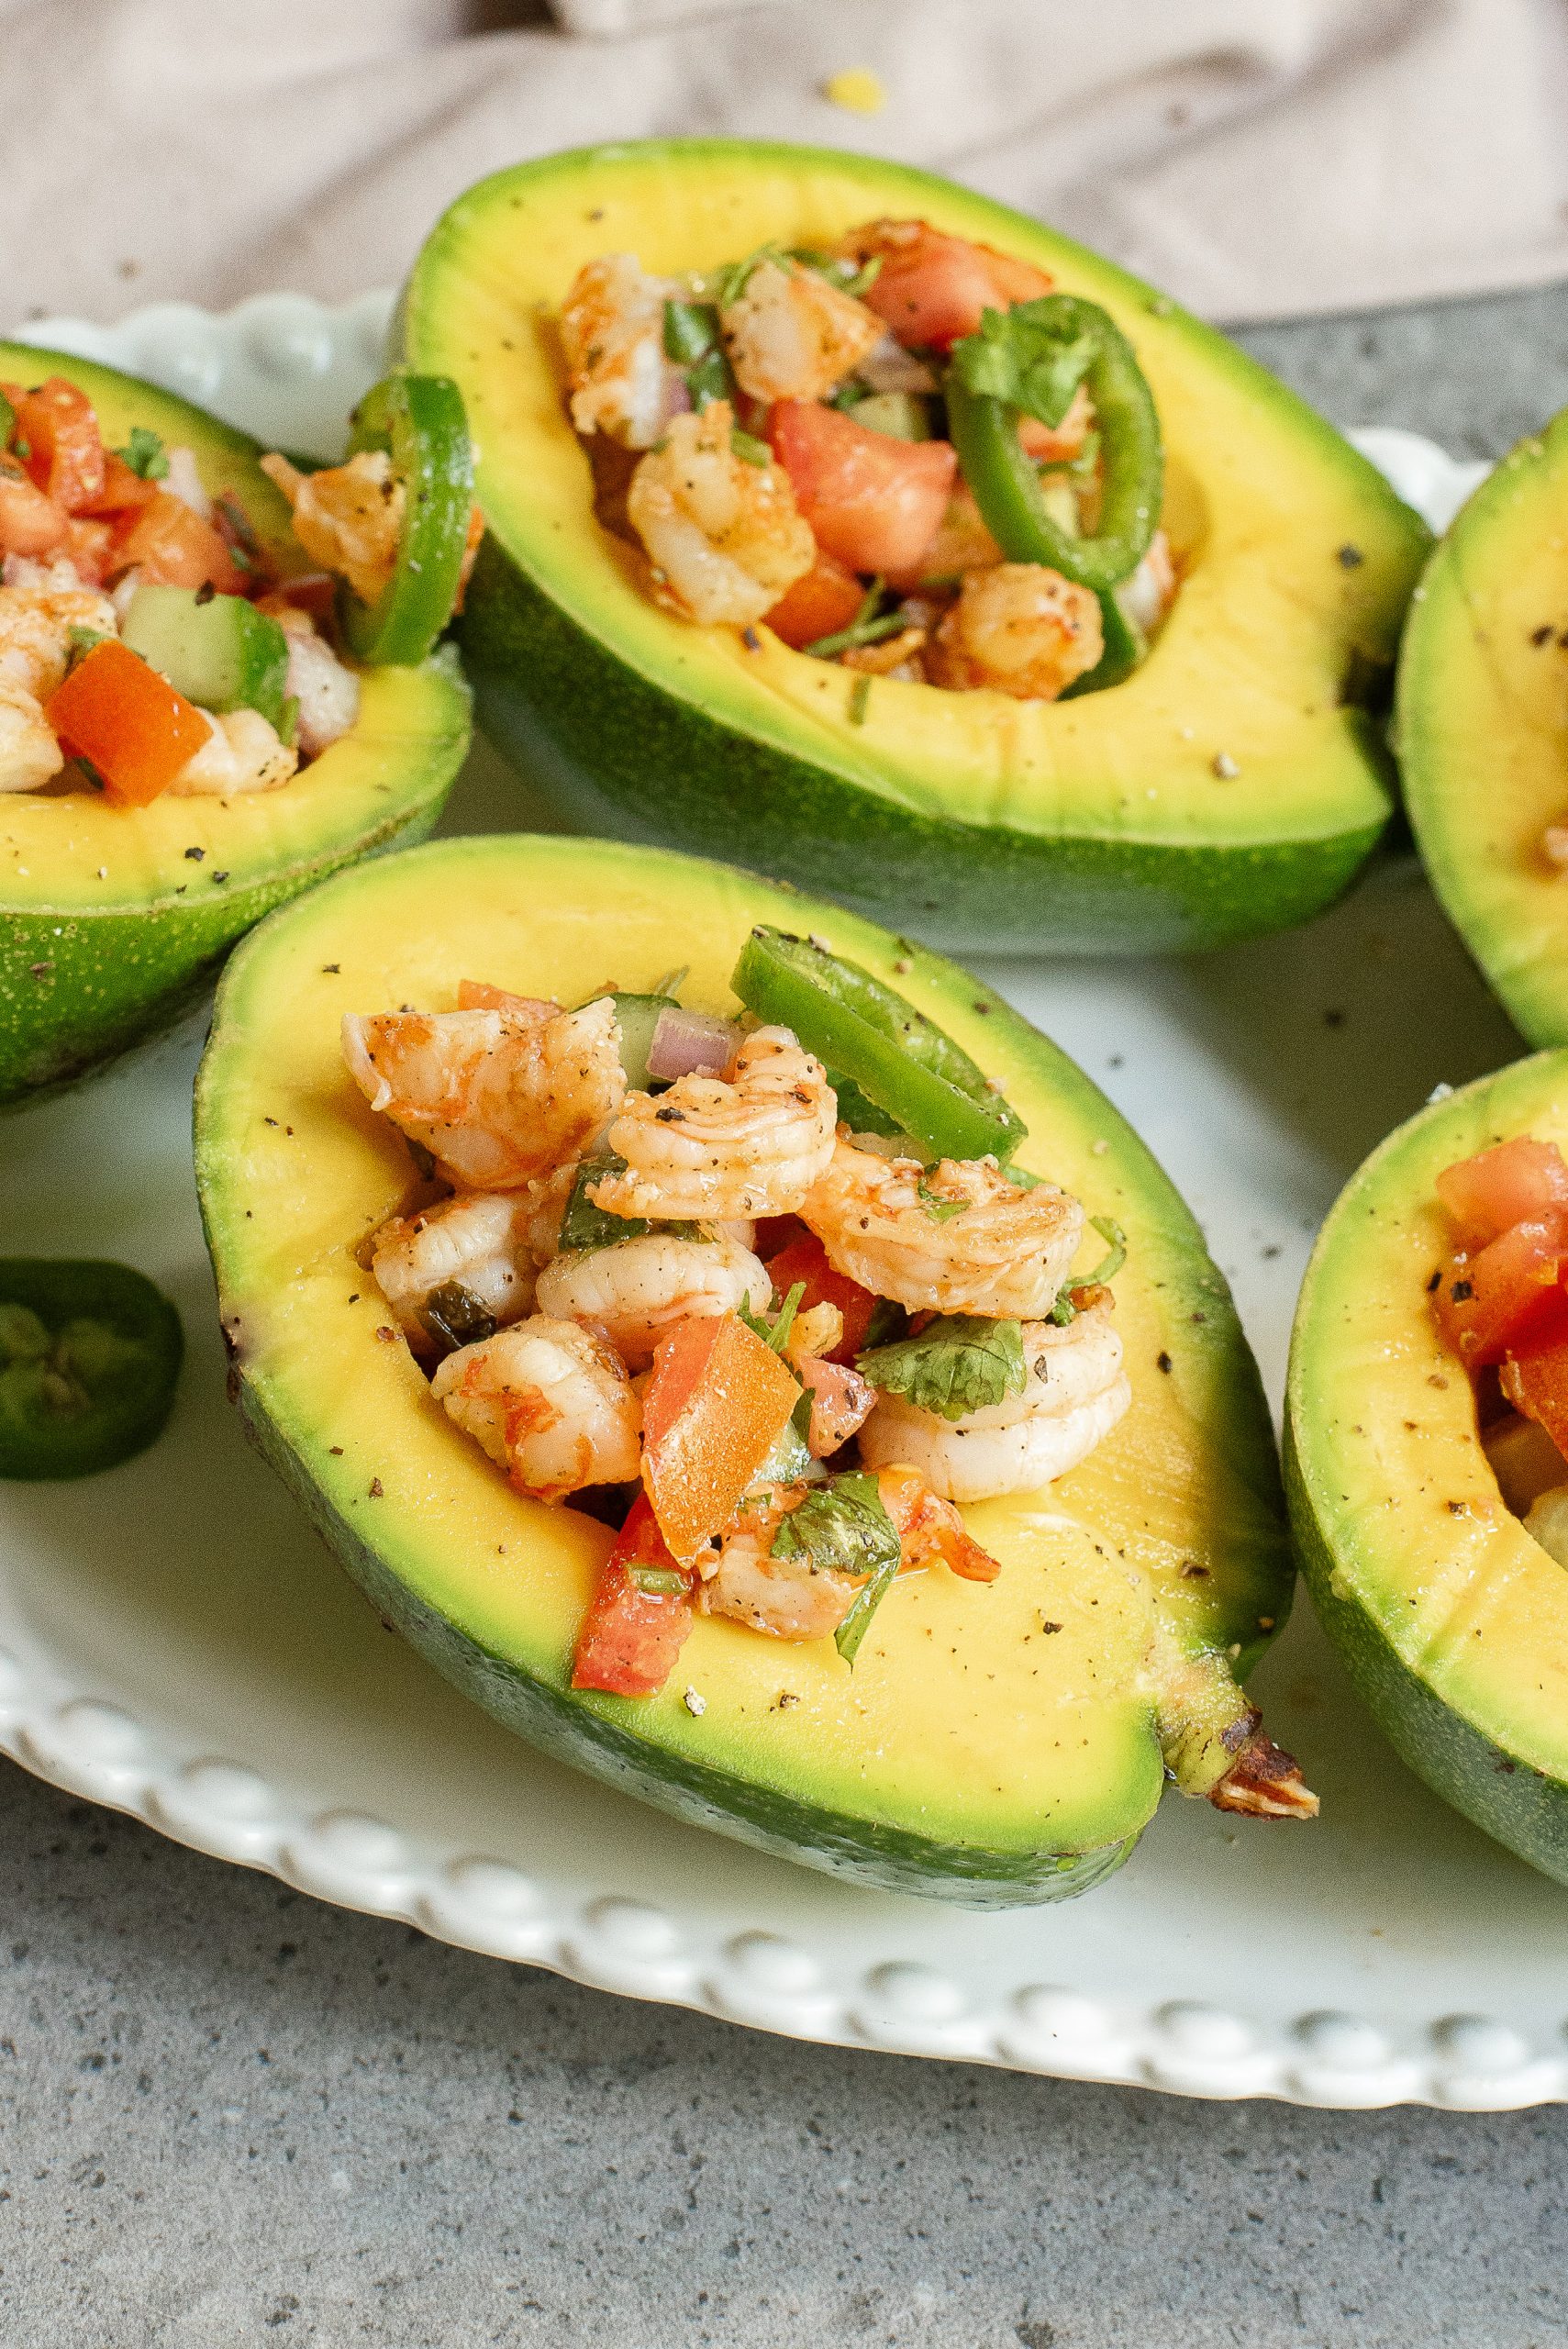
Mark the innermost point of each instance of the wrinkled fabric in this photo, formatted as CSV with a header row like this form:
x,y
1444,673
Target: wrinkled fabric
x,y
1255,157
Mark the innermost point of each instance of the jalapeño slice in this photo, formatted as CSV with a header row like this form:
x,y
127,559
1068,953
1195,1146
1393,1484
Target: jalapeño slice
x,y
900,1060
420,422
89,1353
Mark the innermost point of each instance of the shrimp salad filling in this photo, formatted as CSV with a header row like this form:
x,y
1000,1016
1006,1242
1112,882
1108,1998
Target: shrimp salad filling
x,y
910,456
671,1266
1500,1299
149,642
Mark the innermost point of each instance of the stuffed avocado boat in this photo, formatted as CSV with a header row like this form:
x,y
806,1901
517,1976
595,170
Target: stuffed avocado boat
x,y
206,701
1483,730
1426,1427
843,519
756,1366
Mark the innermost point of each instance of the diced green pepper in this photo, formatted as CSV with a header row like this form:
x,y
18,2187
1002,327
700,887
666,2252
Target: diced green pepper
x,y
88,1354
637,1016
1005,483
218,651
691,340
900,1060
420,421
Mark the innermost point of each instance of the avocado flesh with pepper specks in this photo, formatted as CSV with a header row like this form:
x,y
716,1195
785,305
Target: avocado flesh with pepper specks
x,y
113,919
1482,728
1227,788
994,1745
1451,1619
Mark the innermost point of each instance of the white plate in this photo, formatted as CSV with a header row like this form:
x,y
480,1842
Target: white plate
x,y
173,1641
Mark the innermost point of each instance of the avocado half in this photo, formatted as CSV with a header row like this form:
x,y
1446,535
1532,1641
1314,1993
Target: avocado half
x,y
113,919
1451,1619
1482,728
1232,785
991,1746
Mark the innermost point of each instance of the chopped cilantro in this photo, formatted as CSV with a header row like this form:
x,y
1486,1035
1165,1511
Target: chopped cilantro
x,y
774,1333
585,1226
661,1582
746,445
1033,356
143,452
959,1362
842,1527
940,1210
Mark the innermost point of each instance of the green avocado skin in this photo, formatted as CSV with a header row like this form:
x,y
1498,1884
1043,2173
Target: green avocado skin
x,y
78,989
1504,1796
618,755
583,1732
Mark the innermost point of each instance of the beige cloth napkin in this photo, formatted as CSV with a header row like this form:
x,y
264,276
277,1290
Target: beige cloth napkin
x,y
1256,157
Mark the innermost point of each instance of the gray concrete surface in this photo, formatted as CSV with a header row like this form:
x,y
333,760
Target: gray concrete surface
x,y
230,2116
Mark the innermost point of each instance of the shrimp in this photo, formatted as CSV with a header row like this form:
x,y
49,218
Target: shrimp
x,y
1020,629
795,1600
751,1142
30,754
632,1291
724,535
477,1243
348,517
241,753
1056,444
327,691
36,623
499,1098
612,331
1076,1394
1005,1254
550,1402
793,335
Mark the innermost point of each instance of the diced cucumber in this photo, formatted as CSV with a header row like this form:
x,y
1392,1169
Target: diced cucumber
x,y
221,653
902,415
639,1016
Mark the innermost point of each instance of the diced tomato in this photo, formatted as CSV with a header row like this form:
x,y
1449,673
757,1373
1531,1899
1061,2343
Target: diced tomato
x,y
842,1402
929,1527
1536,1381
774,1233
30,523
65,449
931,288
806,1260
115,711
717,1400
630,1637
474,995
874,503
1522,1181
822,603
315,592
172,547
123,490
89,545
1507,1296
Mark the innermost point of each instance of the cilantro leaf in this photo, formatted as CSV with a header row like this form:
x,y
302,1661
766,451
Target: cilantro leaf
x,y
143,452
842,1527
774,1333
585,1226
940,1210
959,1362
1033,356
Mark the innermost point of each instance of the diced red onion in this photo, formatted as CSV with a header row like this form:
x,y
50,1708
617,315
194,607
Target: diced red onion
x,y
677,395
687,1042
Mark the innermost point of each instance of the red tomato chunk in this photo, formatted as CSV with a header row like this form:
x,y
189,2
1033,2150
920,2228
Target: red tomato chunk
x,y
874,504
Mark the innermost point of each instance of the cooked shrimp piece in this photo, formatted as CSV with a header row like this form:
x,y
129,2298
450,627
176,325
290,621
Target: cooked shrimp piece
x,y
724,535
1058,444
347,517
550,1402
751,1142
499,1098
327,691
928,1525
612,331
963,543
793,335
633,1292
30,754
1005,1253
1020,629
787,1598
34,632
241,753
1076,1392
477,1243
1147,595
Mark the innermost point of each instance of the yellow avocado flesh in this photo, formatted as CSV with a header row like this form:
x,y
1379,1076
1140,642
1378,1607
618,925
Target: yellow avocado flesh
x,y
1003,1723
1412,1551
1262,497
1483,718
